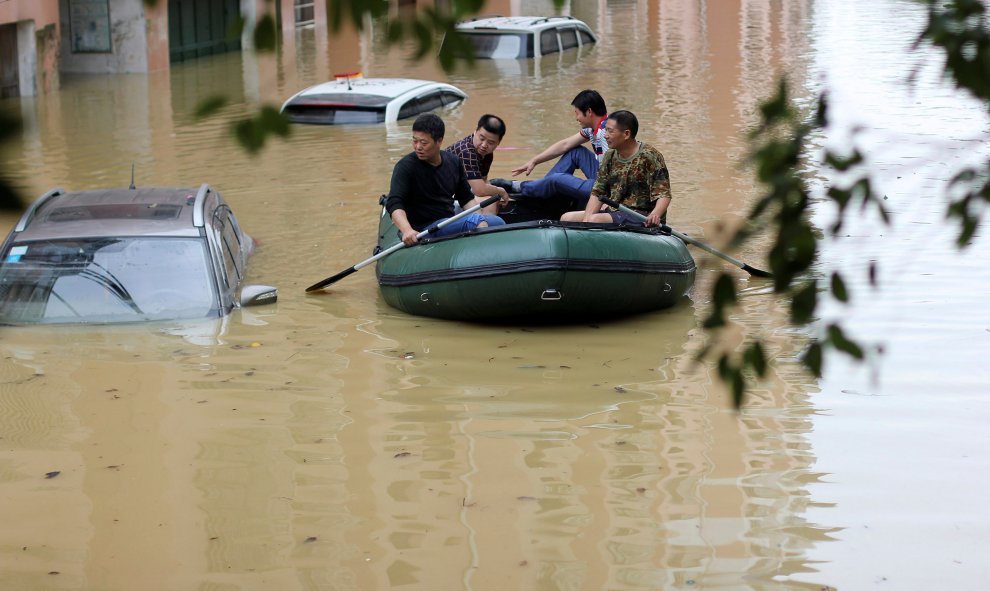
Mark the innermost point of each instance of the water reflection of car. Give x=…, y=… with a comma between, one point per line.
x=520, y=37
x=125, y=255
x=354, y=99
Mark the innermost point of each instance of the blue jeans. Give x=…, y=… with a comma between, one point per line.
x=468, y=223
x=561, y=180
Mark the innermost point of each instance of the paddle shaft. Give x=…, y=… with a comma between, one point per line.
x=687, y=239
x=431, y=230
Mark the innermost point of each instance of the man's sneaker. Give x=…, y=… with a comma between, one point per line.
x=509, y=186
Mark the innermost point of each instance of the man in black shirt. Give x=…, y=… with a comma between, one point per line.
x=425, y=183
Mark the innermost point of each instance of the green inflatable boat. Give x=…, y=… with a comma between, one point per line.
x=542, y=269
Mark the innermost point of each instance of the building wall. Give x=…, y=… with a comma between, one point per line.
x=42, y=12
x=128, y=41
x=37, y=43
x=138, y=37
x=156, y=27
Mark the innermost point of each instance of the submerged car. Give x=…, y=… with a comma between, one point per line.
x=355, y=99
x=520, y=37
x=125, y=255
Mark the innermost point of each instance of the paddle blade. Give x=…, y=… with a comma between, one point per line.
x=756, y=272
x=330, y=280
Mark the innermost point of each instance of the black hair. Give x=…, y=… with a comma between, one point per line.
x=590, y=99
x=430, y=123
x=492, y=124
x=626, y=120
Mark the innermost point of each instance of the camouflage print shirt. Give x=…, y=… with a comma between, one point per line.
x=636, y=182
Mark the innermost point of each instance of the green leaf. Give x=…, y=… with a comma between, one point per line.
x=724, y=291
x=424, y=39
x=10, y=124
x=839, y=288
x=265, y=34
x=271, y=121
x=838, y=339
x=396, y=31
x=843, y=163
x=724, y=367
x=254, y=131
x=9, y=198
x=249, y=136
x=804, y=303
x=812, y=359
x=755, y=357
x=210, y=105
x=738, y=389
x=723, y=296
x=236, y=28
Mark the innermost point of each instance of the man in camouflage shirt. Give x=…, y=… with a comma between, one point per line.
x=632, y=173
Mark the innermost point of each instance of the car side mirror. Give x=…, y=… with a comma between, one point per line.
x=258, y=295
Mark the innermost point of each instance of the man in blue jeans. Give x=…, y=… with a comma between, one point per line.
x=591, y=114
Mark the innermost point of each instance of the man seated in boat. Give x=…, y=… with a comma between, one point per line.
x=591, y=114
x=477, y=152
x=632, y=173
x=425, y=183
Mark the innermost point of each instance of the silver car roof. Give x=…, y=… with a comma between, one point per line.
x=518, y=23
x=114, y=212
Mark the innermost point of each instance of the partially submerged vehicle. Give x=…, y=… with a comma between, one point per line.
x=521, y=37
x=126, y=255
x=353, y=99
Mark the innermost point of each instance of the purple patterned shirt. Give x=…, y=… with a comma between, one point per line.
x=475, y=167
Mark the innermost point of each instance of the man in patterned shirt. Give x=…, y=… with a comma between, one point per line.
x=477, y=151
x=632, y=173
x=590, y=113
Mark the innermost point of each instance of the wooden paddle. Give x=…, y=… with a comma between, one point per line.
x=431, y=230
x=688, y=240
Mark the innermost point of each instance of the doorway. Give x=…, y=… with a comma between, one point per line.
x=197, y=28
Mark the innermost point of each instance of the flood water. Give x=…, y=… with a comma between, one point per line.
x=331, y=442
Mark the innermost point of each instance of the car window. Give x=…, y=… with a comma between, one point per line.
x=334, y=114
x=497, y=45
x=568, y=38
x=430, y=101
x=450, y=98
x=229, y=273
x=410, y=109
x=106, y=280
x=586, y=38
x=232, y=244
x=548, y=42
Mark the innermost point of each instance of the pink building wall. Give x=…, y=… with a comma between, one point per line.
x=41, y=12
x=38, y=43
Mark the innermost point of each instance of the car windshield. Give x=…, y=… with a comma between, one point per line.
x=104, y=280
x=497, y=45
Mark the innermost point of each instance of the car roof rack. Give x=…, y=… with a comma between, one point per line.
x=199, y=217
x=547, y=19
x=480, y=17
x=33, y=209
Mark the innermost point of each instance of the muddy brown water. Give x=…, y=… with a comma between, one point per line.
x=331, y=442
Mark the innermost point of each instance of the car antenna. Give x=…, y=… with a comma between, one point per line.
x=347, y=77
x=132, y=187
